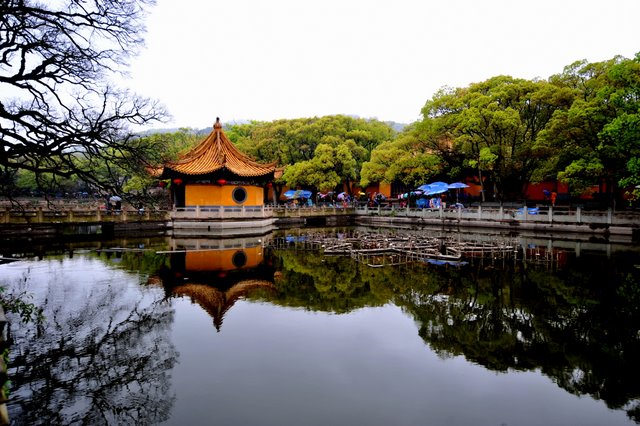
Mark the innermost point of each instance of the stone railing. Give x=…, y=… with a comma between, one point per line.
x=501, y=214
x=311, y=211
x=46, y=216
x=542, y=215
x=221, y=212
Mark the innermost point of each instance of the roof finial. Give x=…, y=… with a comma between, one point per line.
x=217, y=125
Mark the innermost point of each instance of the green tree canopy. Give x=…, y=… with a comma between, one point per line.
x=495, y=125
x=407, y=159
x=596, y=140
x=346, y=143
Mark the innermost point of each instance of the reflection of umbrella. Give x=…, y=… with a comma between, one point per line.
x=289, y=193
x=115, y=198
x=342, y=195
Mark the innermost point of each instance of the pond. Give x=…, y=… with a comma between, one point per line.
x=266, y=331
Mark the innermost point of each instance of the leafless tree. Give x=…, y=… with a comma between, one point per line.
x=60, y=113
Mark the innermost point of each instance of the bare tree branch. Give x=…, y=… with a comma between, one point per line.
x=58, y=112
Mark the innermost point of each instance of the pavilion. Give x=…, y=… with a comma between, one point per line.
x=217, y=188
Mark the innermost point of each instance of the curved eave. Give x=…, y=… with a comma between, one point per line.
x=217, y=152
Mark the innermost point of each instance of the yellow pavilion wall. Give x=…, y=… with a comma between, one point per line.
x=216, y=195
x=217, y=260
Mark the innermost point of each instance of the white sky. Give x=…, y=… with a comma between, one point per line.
x=272, y=59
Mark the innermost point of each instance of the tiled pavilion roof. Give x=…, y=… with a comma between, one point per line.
x=217, y=302
x=217, y=152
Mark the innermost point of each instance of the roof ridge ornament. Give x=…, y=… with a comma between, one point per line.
x=217, y=125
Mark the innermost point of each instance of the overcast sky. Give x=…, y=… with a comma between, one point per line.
x=272, y=59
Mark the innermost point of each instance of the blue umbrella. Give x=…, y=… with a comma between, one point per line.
x=435, y=190
x=458, y=185
x=439, y=184
x=434, y=185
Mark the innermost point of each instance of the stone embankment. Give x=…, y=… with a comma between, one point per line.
x=545, y=219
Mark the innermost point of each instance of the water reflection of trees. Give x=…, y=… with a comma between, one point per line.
x=104, y=358
x=332, y=284
x=578, y=325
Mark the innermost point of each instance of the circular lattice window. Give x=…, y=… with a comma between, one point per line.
x=239, y=259
x=239, y=195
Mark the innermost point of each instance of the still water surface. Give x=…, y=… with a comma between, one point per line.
x=289, y=337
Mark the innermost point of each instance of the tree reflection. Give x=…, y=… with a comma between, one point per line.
x=104, y=358
x=330, y=284
x=578, y=325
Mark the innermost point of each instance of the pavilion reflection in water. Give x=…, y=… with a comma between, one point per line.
x=215, y=273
